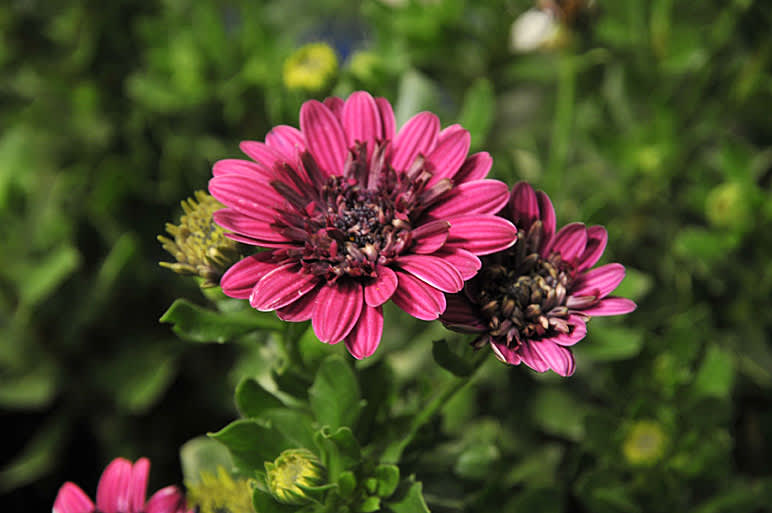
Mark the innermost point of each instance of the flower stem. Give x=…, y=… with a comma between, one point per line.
x=563, y=122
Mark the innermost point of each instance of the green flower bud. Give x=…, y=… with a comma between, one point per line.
x=312, y=67
x=292, y=472
x=645, y=443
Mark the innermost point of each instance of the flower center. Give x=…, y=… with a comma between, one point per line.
x=523, y=295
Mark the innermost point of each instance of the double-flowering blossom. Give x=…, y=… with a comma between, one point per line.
x=352, y=212
x=121, y=489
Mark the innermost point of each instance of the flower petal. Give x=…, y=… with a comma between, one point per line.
x=597, y=237
x=71, y=499
x=417, y=136
x=611, y=306
x=382, y=287
x=475, y=167
x=300, y=310
x=523, y=206
x=166, y=500
x=465, y=261
x=558, y=358
x=242, y=167
x=577, y=334
x=450, y=153
x=337, y=310
x=366, y=335
x=481, y=234
x=429, y=237
x=361, y=120
x=506, y=354
x=280, y=287
x=418, y=299
x=570, y=242
x=547, y=214
x=237, y=222
x=324, y=136
x=461, y=315
x=599, y=282
x=239, y=280
x=112, y=491
x=248, y=195
x=532, y=358
x=387, y=118
x=138, y=484
x=286, y=140
x=432, y=270
x=335, y=104
x=478, y=197
x=262, y=154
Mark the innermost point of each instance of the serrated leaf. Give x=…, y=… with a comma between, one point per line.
x=252, y=399
x=334, y=395
x=196, y=324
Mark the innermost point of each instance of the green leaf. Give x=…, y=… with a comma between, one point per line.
x=294, y=425
x=388, y=479
x=369, y=505
x=202, y=454
x=196, y=324
x=40, y=281
x=411, y=502
x=339, y=450
x=558, y=413
x=609, y=343
x=347, y=482
x=476, y=461
x=251, y=444
x=252, y=399
x=265, y=503
x=334, y=395
x=451, y=360
x=716, y=374
x=477, y=112
x=416, y=93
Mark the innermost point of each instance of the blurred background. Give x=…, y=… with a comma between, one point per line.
x=653, y=118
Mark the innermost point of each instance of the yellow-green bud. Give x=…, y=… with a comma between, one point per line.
x=220, y=493
x=645, y=443
x=311, y=67
x=200, y=246
x=291, y=472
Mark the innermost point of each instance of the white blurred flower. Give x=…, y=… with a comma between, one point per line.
x=533, y=30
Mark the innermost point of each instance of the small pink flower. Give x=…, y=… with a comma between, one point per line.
x=354, y=213
x=121, y=489
x=531, y=302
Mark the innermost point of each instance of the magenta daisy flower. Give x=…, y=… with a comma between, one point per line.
x=354, y=213
x=121, y=489
x=531, y=302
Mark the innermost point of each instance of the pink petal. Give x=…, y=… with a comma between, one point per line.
x=418, y=299
x=549, y=223
x=475, y=167
x=242, y=167
x=523, y=205
x=417, y=136
x=324, y=136
x=429, y=237
x=335, y=105
x=112, y=491
x=461, y=315
x=262, y=154
x=382, y=287
x=337, y=310
x=481, y=234
x=450, y=153
x=366, y=335
x=558, y=358
x=245, y=225
x=300, y=310
x=570, y=242
x=478, y=197
x=432, y=270
x=611, y=306
x=138, y=484
x=249, y=195
x=286, y=140
x=239, y=280
x=361, y=120
x=505, y=354
x=597, y=237
x=599, y=282
x=466, y=262
x=166, y=500
x=530, y=357
x=387, y=118
x=257, y=242
x=280, y=287
x=71, y=499
x=577, y=334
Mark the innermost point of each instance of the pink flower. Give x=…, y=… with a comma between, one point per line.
x=121, y=489
x=354, y=213
x=531, y=302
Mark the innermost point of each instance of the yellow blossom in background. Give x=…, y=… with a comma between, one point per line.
x=311, y=67
x=220, y=494
x=645, y=443
x=199, y=245
x=291, y=472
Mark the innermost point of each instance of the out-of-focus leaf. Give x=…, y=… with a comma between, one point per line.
x=191, y=322
x=537, y=468
x=33, y=387
x=416, y=93
x=36, y=458
x=478, y=110
x=340, y=450
x=454, y=362
x=609, y=343
x=715, y=376
x=411, y=502
x=557, y=413
x=252, y=399
x=477, y=460
x=202, y=454
x=334, y=396
x=38, y=282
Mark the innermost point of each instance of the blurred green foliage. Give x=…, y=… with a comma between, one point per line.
x=653, y=119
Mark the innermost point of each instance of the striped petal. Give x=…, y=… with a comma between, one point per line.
x=461, y=315
x=237, y=222
x=366, y=335
x=71, y=499
x=557, y=358
x=242, y=167
x=324, y=136
x=481, y=234
x=475, y=167
x=429, y=237
x=112, y=491
x=432, y=270
x=337, y=310
x=523, y=206
x=300, y=310
x=166, y=500
x=570, y=242
x=239, y=280
x=450, y=153
x=597, y=237
x=280, y=287
x=417, y=136
x=138, y=484
x=382, y=287
x=387, y=118
x=287, y=141
x=362, y=121
x=599, y=282
x=465, y=261
x=417, y=298
x=611, y=306
x=478, y=197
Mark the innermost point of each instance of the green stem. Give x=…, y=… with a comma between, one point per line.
x=563, y=123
